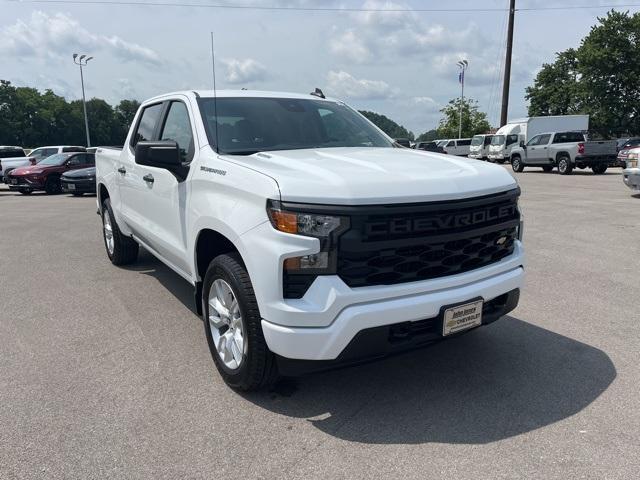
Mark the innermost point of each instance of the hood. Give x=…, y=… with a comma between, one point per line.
x=27, y=170
x=351, y=176
x=81, y=173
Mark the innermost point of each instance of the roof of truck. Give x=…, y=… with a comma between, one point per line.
x=241, y=93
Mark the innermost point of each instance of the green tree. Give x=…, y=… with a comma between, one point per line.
x=473, y=120
x=555, y=90
x=428, y=136
x=600, y=78
x=30, y=118
x=387, y=125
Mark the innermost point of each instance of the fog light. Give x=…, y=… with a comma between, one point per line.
x=314, y=261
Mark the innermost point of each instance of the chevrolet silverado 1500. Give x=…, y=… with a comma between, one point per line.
x=310, y=240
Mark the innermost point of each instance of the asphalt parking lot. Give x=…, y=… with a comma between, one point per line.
x=105, y=371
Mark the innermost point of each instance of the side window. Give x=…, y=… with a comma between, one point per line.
x=451, y=143
x=147, y=124
x=544, y=139
x=75, y=160
x=512, y=139
x=178, y=128
x=534, y=141
x=90, y=158
x=487, y=140
x=464, y=143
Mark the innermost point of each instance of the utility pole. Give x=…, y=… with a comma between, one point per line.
x=82, y=62
x=507, y=65
x=463, y=64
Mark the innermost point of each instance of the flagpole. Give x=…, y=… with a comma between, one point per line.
x=463, y=64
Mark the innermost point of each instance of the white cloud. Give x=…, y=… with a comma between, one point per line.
x=350, y=46
x=345, y=85
x=58, y=35
x=244, y=71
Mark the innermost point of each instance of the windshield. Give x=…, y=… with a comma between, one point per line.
x=497, y=140
x=57, y=159
x=250, y=125
x=477, y=140
x=442, y=143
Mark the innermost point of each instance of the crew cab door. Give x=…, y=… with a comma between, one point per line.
x=537, y=149
x=154, y=198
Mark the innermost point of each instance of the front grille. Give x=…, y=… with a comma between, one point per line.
x=407, y=243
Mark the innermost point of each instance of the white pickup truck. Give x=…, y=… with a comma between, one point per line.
x=310, y=241
x=565, y=150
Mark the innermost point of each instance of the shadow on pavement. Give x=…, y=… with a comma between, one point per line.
x=147, y=264
x=494, y=383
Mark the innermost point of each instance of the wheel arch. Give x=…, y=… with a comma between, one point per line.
x=103, y=194
x=208, y=245
x=562, y=154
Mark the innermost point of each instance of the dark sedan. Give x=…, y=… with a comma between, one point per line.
x=78, y=182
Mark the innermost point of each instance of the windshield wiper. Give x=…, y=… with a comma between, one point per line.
x=241, y=152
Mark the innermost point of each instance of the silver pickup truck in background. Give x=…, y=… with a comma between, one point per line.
x=565, y=150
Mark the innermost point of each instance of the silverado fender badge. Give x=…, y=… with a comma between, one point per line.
x=214, y=170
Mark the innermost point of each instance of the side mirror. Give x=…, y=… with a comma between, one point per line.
x=162, y=154
x=522, y=144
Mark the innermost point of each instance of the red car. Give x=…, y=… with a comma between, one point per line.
x=46, y=174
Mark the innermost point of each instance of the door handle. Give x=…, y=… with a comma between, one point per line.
x=148, y=178
x=122, y=170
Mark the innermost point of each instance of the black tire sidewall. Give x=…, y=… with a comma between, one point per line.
x=52, y=185
x=226, y=267
x=516, y=164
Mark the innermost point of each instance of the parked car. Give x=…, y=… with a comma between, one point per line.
x=405, y=142
x=429, y=147
x=10, y=157
x=519, y=130
x=35, y=156
x=80, y=181
x=624, y=148
x=479, y=148
x=45, y=175
x=631, y=173
x=310, y=240
x=457, y=146
x=565, y=150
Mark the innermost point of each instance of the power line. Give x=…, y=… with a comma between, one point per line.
x=320, y=9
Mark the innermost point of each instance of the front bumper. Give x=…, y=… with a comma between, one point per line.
x=78, y=185
x=378, y=342
x=368, y=307
x=631, y=178
x=25, y=183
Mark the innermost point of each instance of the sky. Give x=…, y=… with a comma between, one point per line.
x=400, y=64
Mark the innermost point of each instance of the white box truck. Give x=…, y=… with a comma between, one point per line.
x=519, y=130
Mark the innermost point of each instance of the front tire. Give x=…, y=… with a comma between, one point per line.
x=25, y=192
x=232, y=324
x=121, y=250
x=516, y=164
x=52, y=185
x=564, y=166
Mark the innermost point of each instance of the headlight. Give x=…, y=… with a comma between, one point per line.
x=632, y=160
x=326, y=228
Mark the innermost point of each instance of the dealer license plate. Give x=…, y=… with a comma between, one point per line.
x=462, y=317
x=71, y=186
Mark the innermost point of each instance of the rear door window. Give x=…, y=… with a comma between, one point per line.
x=147, y=124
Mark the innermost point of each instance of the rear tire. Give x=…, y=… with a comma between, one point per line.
x=77, y=194
x=516, y=164
x=232, y=324
x=599, y=169
x=52, y=185
x=121, y=250
x=547, y=168
x=25, y=192
x=564, y=165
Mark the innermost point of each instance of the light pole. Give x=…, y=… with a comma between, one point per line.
x=462, y=64
x=82, y=62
